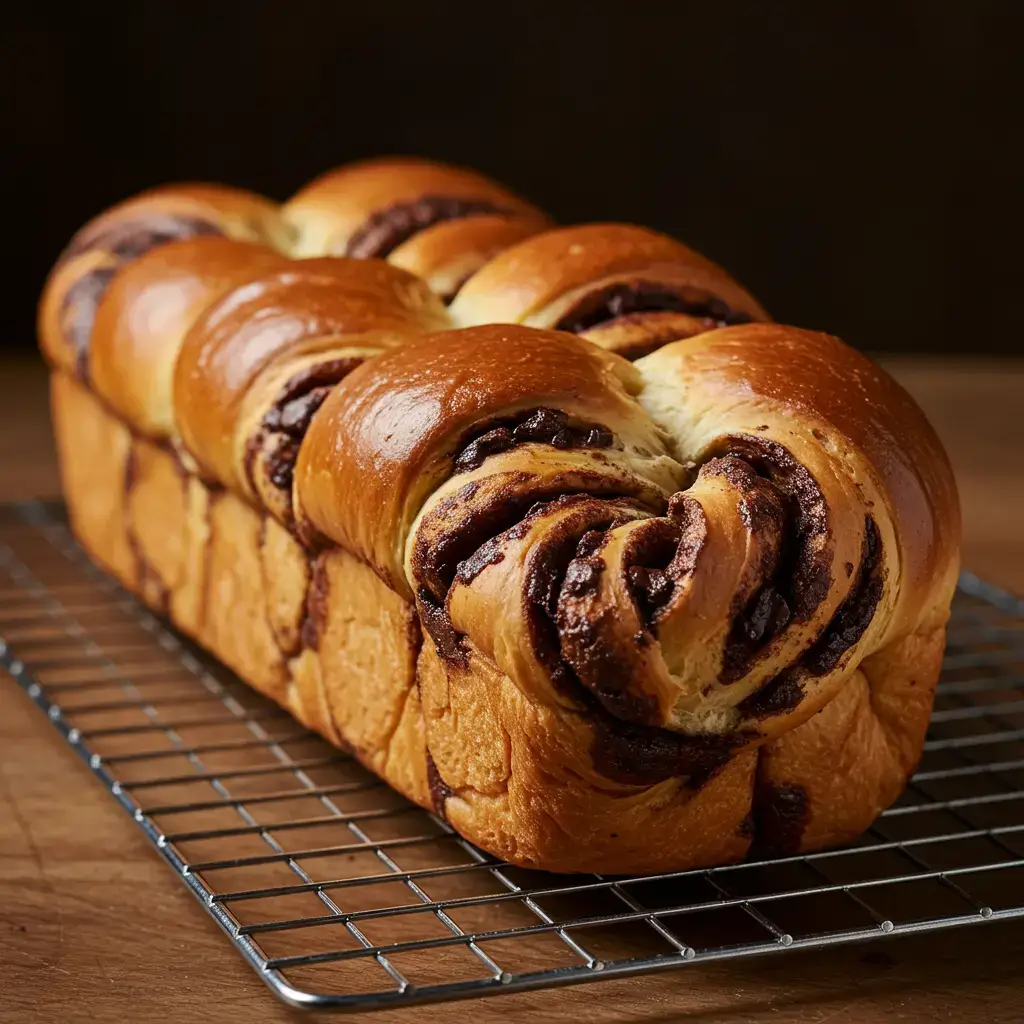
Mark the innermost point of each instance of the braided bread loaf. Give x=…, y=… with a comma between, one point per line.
x=383, y=451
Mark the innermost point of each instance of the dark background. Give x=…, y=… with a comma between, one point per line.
x=855, y=165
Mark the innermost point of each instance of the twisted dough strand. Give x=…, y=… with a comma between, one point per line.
x=668, y=560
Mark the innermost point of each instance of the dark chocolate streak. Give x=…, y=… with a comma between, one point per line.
x=781, y=814
x=387, y=229
x=847, y=626
x=627, y=752
x=784, y=506
x=628, y=297
x=124, y=242
x=315, y=613
x=284, y=425
x=602, y=663
x=551, y=568
x=138, y=235
x=78, y=313
x=439, y=789
x=659, y=555
x=460, y=525
x=437, y=557
x=533, y=426
x=809, y=578
x=854, y=615
x=764, y=611
x=436, y=622
x=656, y=582
x=640, y=755
x=775, y=697
x=651, y=588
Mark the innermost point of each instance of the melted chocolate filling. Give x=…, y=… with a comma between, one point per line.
x=851, y=619
x=660, y=561
x=303, y=394
x=781, y=814
x=315, y=615
x=438, y=559
x=536, y=426
x=775, y=697
x=642, y=755
x=387, y=229
x=651, y=581
x=657, y=557
x=854, y=615
x=124, y=242
x=289, y=419
x=625, y=751
x=458, y=527
x=780, y=499
x=626, y=298
x=762, y=619
x=805, y=577
x=552, y=568
x=437, y=623
x=439, y=789
x=489, y=553
x=78, y=313
x=138, y=235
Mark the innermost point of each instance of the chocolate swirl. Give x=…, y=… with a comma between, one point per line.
x=134, y=237
x=632, y=297
x=608, y=594
x=779, y=588
x=271, y=451
x=534, y=426
x=78, y=313
x=120, y=243
x=389, y=228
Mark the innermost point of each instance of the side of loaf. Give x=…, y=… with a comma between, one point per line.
x=550, y=526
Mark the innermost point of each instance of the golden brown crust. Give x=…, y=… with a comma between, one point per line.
x=601, y=616
x=147, y=310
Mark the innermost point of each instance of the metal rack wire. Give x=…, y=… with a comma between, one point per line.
x=342, y=895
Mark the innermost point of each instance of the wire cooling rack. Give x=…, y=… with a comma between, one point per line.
x=342, y=895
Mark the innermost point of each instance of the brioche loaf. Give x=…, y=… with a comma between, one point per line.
x=550, y=526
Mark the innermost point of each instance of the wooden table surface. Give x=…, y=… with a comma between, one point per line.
x=94, y=927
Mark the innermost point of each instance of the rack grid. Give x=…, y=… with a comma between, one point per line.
x=342, y=895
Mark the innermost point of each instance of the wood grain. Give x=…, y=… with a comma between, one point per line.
x=94, y=926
